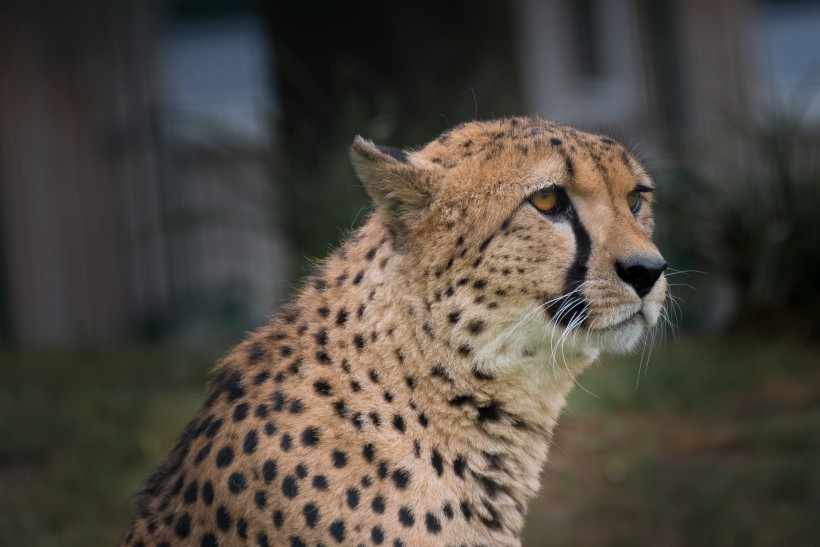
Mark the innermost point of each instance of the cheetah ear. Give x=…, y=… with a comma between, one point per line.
x=399, y=186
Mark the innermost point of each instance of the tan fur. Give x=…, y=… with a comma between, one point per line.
x=421, y=351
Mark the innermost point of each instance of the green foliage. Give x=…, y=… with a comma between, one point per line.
x=744, y=208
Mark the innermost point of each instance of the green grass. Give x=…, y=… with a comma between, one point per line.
x=718, y=445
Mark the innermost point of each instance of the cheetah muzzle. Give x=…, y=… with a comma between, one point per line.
x=407, y=394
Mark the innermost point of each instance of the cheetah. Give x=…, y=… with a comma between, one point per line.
x=408, y=393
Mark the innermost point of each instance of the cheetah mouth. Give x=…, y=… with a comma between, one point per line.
x=619, y=321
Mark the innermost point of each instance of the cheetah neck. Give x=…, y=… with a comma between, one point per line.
x=486, y=415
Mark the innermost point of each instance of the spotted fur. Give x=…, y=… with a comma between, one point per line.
x=407, y=394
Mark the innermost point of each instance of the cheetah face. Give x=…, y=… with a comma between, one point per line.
x=539, y=231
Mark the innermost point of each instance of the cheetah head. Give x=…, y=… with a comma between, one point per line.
x=532, y=235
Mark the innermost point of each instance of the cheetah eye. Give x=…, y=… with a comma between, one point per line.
x=635, y=198
x=549, y=200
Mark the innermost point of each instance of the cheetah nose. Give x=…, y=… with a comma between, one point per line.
x=641, y=272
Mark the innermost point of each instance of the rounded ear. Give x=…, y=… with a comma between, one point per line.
x=399, y=185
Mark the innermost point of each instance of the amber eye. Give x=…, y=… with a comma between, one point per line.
x=634, y=200
x=547, y=200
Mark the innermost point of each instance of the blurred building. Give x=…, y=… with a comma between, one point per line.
x=134, y=170
x=136, y=193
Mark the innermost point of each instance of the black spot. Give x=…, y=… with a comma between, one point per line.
x=475, y=326
x=270, y=429
x=378, y=504
x=461, y=400
x=240, y=412
x=209, y=540
x=191, y=492
x=296, y=542
x=278, y=401
x=406, y=517
x=417, y=448
x=465, y=350
x=324, y=311
x=208, y=493
x=237, y=482
x=203, y=453
x=439, y=372
x=223, y=518
x=341, y=317
x=355, y=386
x=340, y=408
x=489, y=413
x=459, y=465
x=398, y=423
x=301, y=471
x=454, y=316
x=261, y=411
x=310, y=436
x=479, y=284
x=337, y=530
x=289, y=487
x=366, y=482
x=213, y=428
x=352, y=498
x=319, y=284
x=369, y=452
x=339, y=459
x=382, y=469
x=466, y=511
x=448, y=511
x=286, y=442
x=401, y=478
x=490, y=486
x=323, y=358
x=251, y=441
x=423, y=420
x=493, y=523
x=410, y=381
x=269, y=470
x=285, y=351
x=260, y=498
x=357, y=420
x=460, y=240
x=388, y=396
x=183, y=526
x=359, y=341
x=438, y=462
x=296, y=406
x=485, y=243
x=555, y=141
x=480, y=375
x=278, y=518
x=358, y=278
x=320, y=482
x=345, y=365
x=322, y=387
x=432, y=523
x=311, y=513
x=377, y=535
x=374, y=376
x=371, y=254
x=242, y=528
x=321, y=337
x=262, y=539
x=375, y=418
x=224, y=457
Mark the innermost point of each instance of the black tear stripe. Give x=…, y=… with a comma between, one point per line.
x=565, y=310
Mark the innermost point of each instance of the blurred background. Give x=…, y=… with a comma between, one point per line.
x=169, y=169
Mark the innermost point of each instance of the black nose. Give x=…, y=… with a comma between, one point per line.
x=640, y=272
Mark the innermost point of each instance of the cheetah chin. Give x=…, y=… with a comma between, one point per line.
x=408, y=393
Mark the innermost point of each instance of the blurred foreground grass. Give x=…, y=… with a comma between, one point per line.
x=719, y=445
